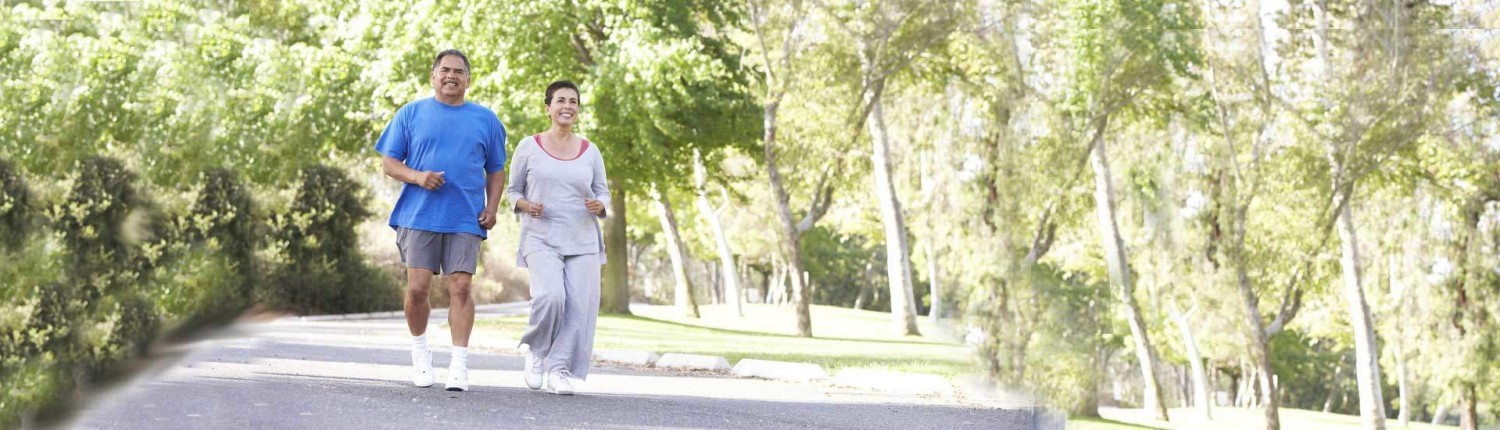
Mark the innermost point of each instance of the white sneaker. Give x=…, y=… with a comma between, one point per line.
x=533, y=370
x=557, y=382
x=458, y=379
x=421, y=363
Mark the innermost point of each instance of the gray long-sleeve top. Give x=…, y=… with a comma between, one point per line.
x=560, y=185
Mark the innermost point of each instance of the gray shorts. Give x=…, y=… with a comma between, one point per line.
x=442, y=253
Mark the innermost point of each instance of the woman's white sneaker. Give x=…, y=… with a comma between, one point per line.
x=557, y=382
x=421, y=363
x=533, y=371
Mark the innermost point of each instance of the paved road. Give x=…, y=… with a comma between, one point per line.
x=334, y=374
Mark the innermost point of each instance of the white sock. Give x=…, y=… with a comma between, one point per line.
x=460, y=358
x=419, y=342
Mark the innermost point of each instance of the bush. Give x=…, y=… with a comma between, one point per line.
x=323, y=270
x=76, y=311
x=92, y=287
x=15, y=208
x=215, y=273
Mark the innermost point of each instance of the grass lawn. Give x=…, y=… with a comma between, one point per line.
x=1235, y=419
x=845, y=337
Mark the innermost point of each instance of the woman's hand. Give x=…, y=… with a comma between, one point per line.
x=594, y=206
x=530, y=208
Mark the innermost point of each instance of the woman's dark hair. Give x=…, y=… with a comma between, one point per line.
x=553, y=87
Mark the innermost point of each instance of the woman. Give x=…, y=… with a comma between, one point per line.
x=557, y=182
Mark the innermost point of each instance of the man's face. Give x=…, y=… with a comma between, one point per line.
x=450, y=78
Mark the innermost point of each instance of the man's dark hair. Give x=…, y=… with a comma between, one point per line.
x=454, y=52
x=553, y=87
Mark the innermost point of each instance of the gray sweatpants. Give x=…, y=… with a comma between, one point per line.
x=564, y=310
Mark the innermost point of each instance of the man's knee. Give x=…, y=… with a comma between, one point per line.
x=416, y=292
x=459, y=287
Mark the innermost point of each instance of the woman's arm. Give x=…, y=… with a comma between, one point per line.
x=515, y=188
x=600, y=183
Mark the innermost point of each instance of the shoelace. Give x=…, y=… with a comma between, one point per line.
x=536, y=364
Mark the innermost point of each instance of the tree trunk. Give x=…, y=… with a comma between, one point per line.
x=683, y=297
x=1405, y=415
x=1469, y=420
x=1333, y=386
x=1441, y=415
x=791, y=246
x=1198, y=375
x=1366, y=355
x=730, y=277
x=727, y=269
x=935, y=313
x=1119, y=274
x=897, y=257
x=615, y=294
x=716, y=279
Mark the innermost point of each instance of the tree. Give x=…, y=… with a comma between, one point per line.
x=1373, y=90
x=772, y=23
x=888, y=37
x=660, y=77
x=711, y=215
x=1120, y=51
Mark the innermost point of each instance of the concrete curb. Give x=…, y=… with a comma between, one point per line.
x=779, y=370
x=710, y=363
x=895, y=382
x=630, y=357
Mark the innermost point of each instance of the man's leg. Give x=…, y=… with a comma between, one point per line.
x=417, y=309
x=419, y=254
x=460, y=308
x=460, y=261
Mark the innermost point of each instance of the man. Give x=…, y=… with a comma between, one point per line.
x=451, y=155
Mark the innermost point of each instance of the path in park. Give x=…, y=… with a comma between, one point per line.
x=341, y=373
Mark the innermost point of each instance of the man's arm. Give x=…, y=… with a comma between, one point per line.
x=398, y=170
x=494, y=186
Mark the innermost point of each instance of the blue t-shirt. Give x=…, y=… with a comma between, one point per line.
x=465, y=142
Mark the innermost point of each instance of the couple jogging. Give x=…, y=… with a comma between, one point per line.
x=450, y=153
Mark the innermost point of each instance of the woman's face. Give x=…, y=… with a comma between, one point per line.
x=563, y=107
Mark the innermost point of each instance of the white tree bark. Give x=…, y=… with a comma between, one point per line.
x=1119, y=274
x=897, y=256
x=1366, y=352
x=933, y=279
x=1198, y=374
x=710, y=214
x=683, y=296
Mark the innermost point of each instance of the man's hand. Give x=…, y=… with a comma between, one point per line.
x=594, y=206
x=487, y=218
x=429, y=180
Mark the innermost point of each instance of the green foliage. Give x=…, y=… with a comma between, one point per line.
x=216, y=269
x=1296, y=356
x=321, y=268
x=842, y=267
x=659, y=80
x=1063, y=364
x=1126, y=49
x=16, y=212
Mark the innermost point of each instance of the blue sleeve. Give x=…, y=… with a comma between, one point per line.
x=494, y=159
x=395, y=140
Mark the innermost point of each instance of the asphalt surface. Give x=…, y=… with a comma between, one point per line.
x=336, y=373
